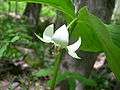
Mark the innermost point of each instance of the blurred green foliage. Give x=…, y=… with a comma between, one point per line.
x=15, y=32
x=10, y=32
x=47, y=11
x=16, y=42
x=4, y=7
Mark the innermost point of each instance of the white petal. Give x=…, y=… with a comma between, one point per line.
x=44, y=40
x=61, y=36
x=48, y=33
x=75, y=46
x=74, y=55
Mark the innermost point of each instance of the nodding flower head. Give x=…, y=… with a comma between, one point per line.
x=60, y=38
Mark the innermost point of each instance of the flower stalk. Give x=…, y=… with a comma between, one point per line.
x=58, y=59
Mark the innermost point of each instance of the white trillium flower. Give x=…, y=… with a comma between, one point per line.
x=60, y=38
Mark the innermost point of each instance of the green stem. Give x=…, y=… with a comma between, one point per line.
x=16, y=7
x=56, y=68
x=74, y=20
x=9, y=6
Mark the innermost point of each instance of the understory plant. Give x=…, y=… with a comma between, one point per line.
x=60, y=39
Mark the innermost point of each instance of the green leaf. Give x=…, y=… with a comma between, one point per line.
x=115, y=33
x=72, y=84
x=3, y=49
x=75, y=76
x=58, y=4
x=15, y=39
x=43, y=73
x=85, y=30
x=96, y=36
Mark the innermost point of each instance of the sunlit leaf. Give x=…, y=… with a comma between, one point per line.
x=115, y=33
x=2, y=50
x=15, y=39
x=42, y=73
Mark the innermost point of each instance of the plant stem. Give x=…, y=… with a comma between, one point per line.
x=73, y=21
x=56, y=68
x=16, y=7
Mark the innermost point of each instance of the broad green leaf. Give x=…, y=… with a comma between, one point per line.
x=96, y=34
x=65, y=6
x=85, y=30
x=115, y=33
